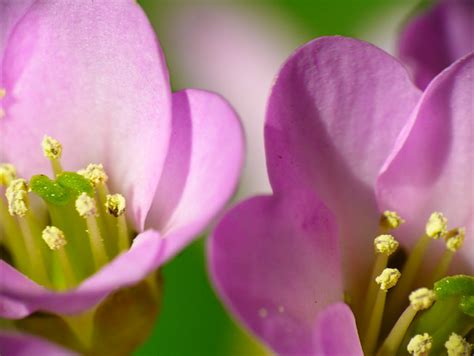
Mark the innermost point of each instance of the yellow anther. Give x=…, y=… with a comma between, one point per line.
x=437, y=226
x=53, y=237
x=115, y=204
x=455, y=239
x=85, y=205
x=3, y=92
x=457, y=346
x=388, y=278
x=17, y=196
x=95, y=173
x=385, y=244
x=420, y=344
x=7, y=173
x=390, y=220
x=422, y=298
x=52, y=149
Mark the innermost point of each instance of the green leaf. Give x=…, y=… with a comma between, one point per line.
x=49, y=190
x=467, y=305
x=76, y=183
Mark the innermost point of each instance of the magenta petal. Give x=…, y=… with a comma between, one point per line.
x=335, y=111
x=93, y=76
x=431, y=167
x=275, y=262
x=145, y=255
x=16, y=344
x=202, y=167
x=336, y=332
x=434, y=40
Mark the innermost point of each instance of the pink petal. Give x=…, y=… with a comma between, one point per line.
x=336, y=332
x=202, y=167
x=431, y=167
x=16, y=344
x=335, y=111
x=434, y=40
x=93, y=76
x=276, y=264
x=145, y=255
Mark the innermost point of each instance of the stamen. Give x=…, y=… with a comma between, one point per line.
x=436, y=227
x=7, y=174
x=384, y=246
x=458, y=346
x=85, y=206
x=115, y=206
x=386, y=280
x=53, y=149
x=18, y=205
x=454, y=241
x=17, y=197
x=95, y=173
x=420, y=299
x=420, y=345
x=56, y=241
x=390, y=220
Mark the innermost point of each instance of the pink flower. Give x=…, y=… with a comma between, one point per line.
x=348, y=136
x=93, y=76
x=436, y=38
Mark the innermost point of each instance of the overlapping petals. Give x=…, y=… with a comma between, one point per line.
x=437, y=38
x=432, y=165
x=270, y=259
x=335, y=111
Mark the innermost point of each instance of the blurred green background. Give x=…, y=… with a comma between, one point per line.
x=193, y=321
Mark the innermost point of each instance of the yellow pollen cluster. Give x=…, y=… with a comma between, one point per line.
x=420, y=344
x=388, y=278
x=52, y=149
x=53, y=237
x=115, y=204
x=17, y=196
x=385, y=244
x=422, y=298
x=95, y=173
x=85, y=205
x=457, y=346
x=391, y=220
x=7, y=174
x=437, y=226
x=455, y=239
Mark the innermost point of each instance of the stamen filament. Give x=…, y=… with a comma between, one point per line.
x=454, y=241
x=38, y=269
x=386, y=280
x=420, y=299
x=115, y=206
x=384, y=246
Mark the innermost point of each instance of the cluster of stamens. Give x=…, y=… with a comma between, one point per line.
x=93, y=212
x=420, y=300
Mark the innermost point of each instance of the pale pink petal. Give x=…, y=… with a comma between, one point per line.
x=202, y=167
x=92, y=75
x=145, y=255
x=437, y=38
x=335, y=111
x=275, y=262
x=336, y=332
x=16, y=344
x=432, y=165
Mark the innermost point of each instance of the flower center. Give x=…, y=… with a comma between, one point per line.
x=431, y=316
x=84, y=228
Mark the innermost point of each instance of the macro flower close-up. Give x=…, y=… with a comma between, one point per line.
x=359, y=160
x=102, y=168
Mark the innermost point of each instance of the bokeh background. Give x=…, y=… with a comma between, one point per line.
x=235, y=48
